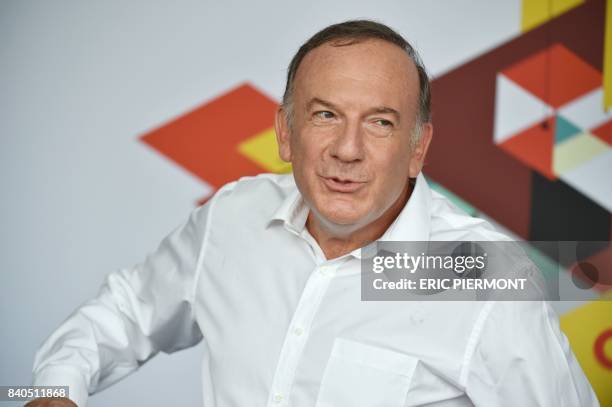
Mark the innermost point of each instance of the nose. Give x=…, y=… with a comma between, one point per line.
x=348, y=144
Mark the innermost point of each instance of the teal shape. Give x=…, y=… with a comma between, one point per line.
x=565, y=129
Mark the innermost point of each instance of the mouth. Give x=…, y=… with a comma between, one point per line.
x=344, y=185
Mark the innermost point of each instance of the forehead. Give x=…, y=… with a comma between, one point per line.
x=367, y=69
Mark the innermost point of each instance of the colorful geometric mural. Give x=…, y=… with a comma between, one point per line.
x=523, y=192
x=549, y=114
x=224, y=139
x=534, y=151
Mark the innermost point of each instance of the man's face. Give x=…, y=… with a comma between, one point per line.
x=354, y=111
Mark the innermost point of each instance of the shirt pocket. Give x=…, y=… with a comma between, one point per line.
x=360, y=375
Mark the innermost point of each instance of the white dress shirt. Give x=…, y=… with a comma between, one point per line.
x=284, y=326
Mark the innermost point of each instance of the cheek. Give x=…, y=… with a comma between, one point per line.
x=307, y=148
x=389, y=152
x=305, y=163
x=391, y=169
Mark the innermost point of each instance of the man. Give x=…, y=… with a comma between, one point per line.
x=267, y=273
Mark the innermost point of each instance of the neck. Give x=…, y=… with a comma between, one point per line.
x=334, y=243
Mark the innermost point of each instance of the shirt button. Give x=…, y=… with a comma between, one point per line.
x=278, y=398
x=298, y=331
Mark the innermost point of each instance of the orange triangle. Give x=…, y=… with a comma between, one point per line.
x=604, y=132
x=204, y=141
x=534, y=147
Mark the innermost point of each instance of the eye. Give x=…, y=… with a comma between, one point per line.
x=324, y=115
x=384, y=122
x=379, y=127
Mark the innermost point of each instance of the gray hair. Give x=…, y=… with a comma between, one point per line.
x=351, y=32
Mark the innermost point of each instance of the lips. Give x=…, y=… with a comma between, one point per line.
x=337, y=184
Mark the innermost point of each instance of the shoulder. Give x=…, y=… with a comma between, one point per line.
x=253, y=186
x=449, y=222
x=525, y=330
x=253, y=197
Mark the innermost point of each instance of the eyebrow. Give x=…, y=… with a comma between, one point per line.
x=385, y=109
x=317, y=101
x=330, y=105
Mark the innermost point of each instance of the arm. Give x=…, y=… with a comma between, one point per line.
x=138, y=312
x=522, y=358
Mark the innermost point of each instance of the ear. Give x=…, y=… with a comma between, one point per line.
x=420, y=150
x=283, y=134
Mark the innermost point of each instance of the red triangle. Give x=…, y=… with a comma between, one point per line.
x=204, y=141
x=556, y=75
x=604, y=132
x=534, y=147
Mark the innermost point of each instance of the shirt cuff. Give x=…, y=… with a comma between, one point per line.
x=64, y=376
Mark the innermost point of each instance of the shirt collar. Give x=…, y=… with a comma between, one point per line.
x=412, y=224
x=293, y=212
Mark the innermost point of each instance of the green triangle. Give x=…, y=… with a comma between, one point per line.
x=564, y=129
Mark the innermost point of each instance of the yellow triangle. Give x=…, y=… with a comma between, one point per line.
x=583, y=326
x=262, y=148
x=536, y=12
x=576, y=151
x=607, y=66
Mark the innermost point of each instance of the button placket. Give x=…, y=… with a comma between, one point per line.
x=297, y=334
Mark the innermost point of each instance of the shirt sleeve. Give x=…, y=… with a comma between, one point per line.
x=138, y=312
x=523, y=359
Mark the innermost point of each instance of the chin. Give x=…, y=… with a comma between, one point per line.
x=341, y=215
x=342, y=220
